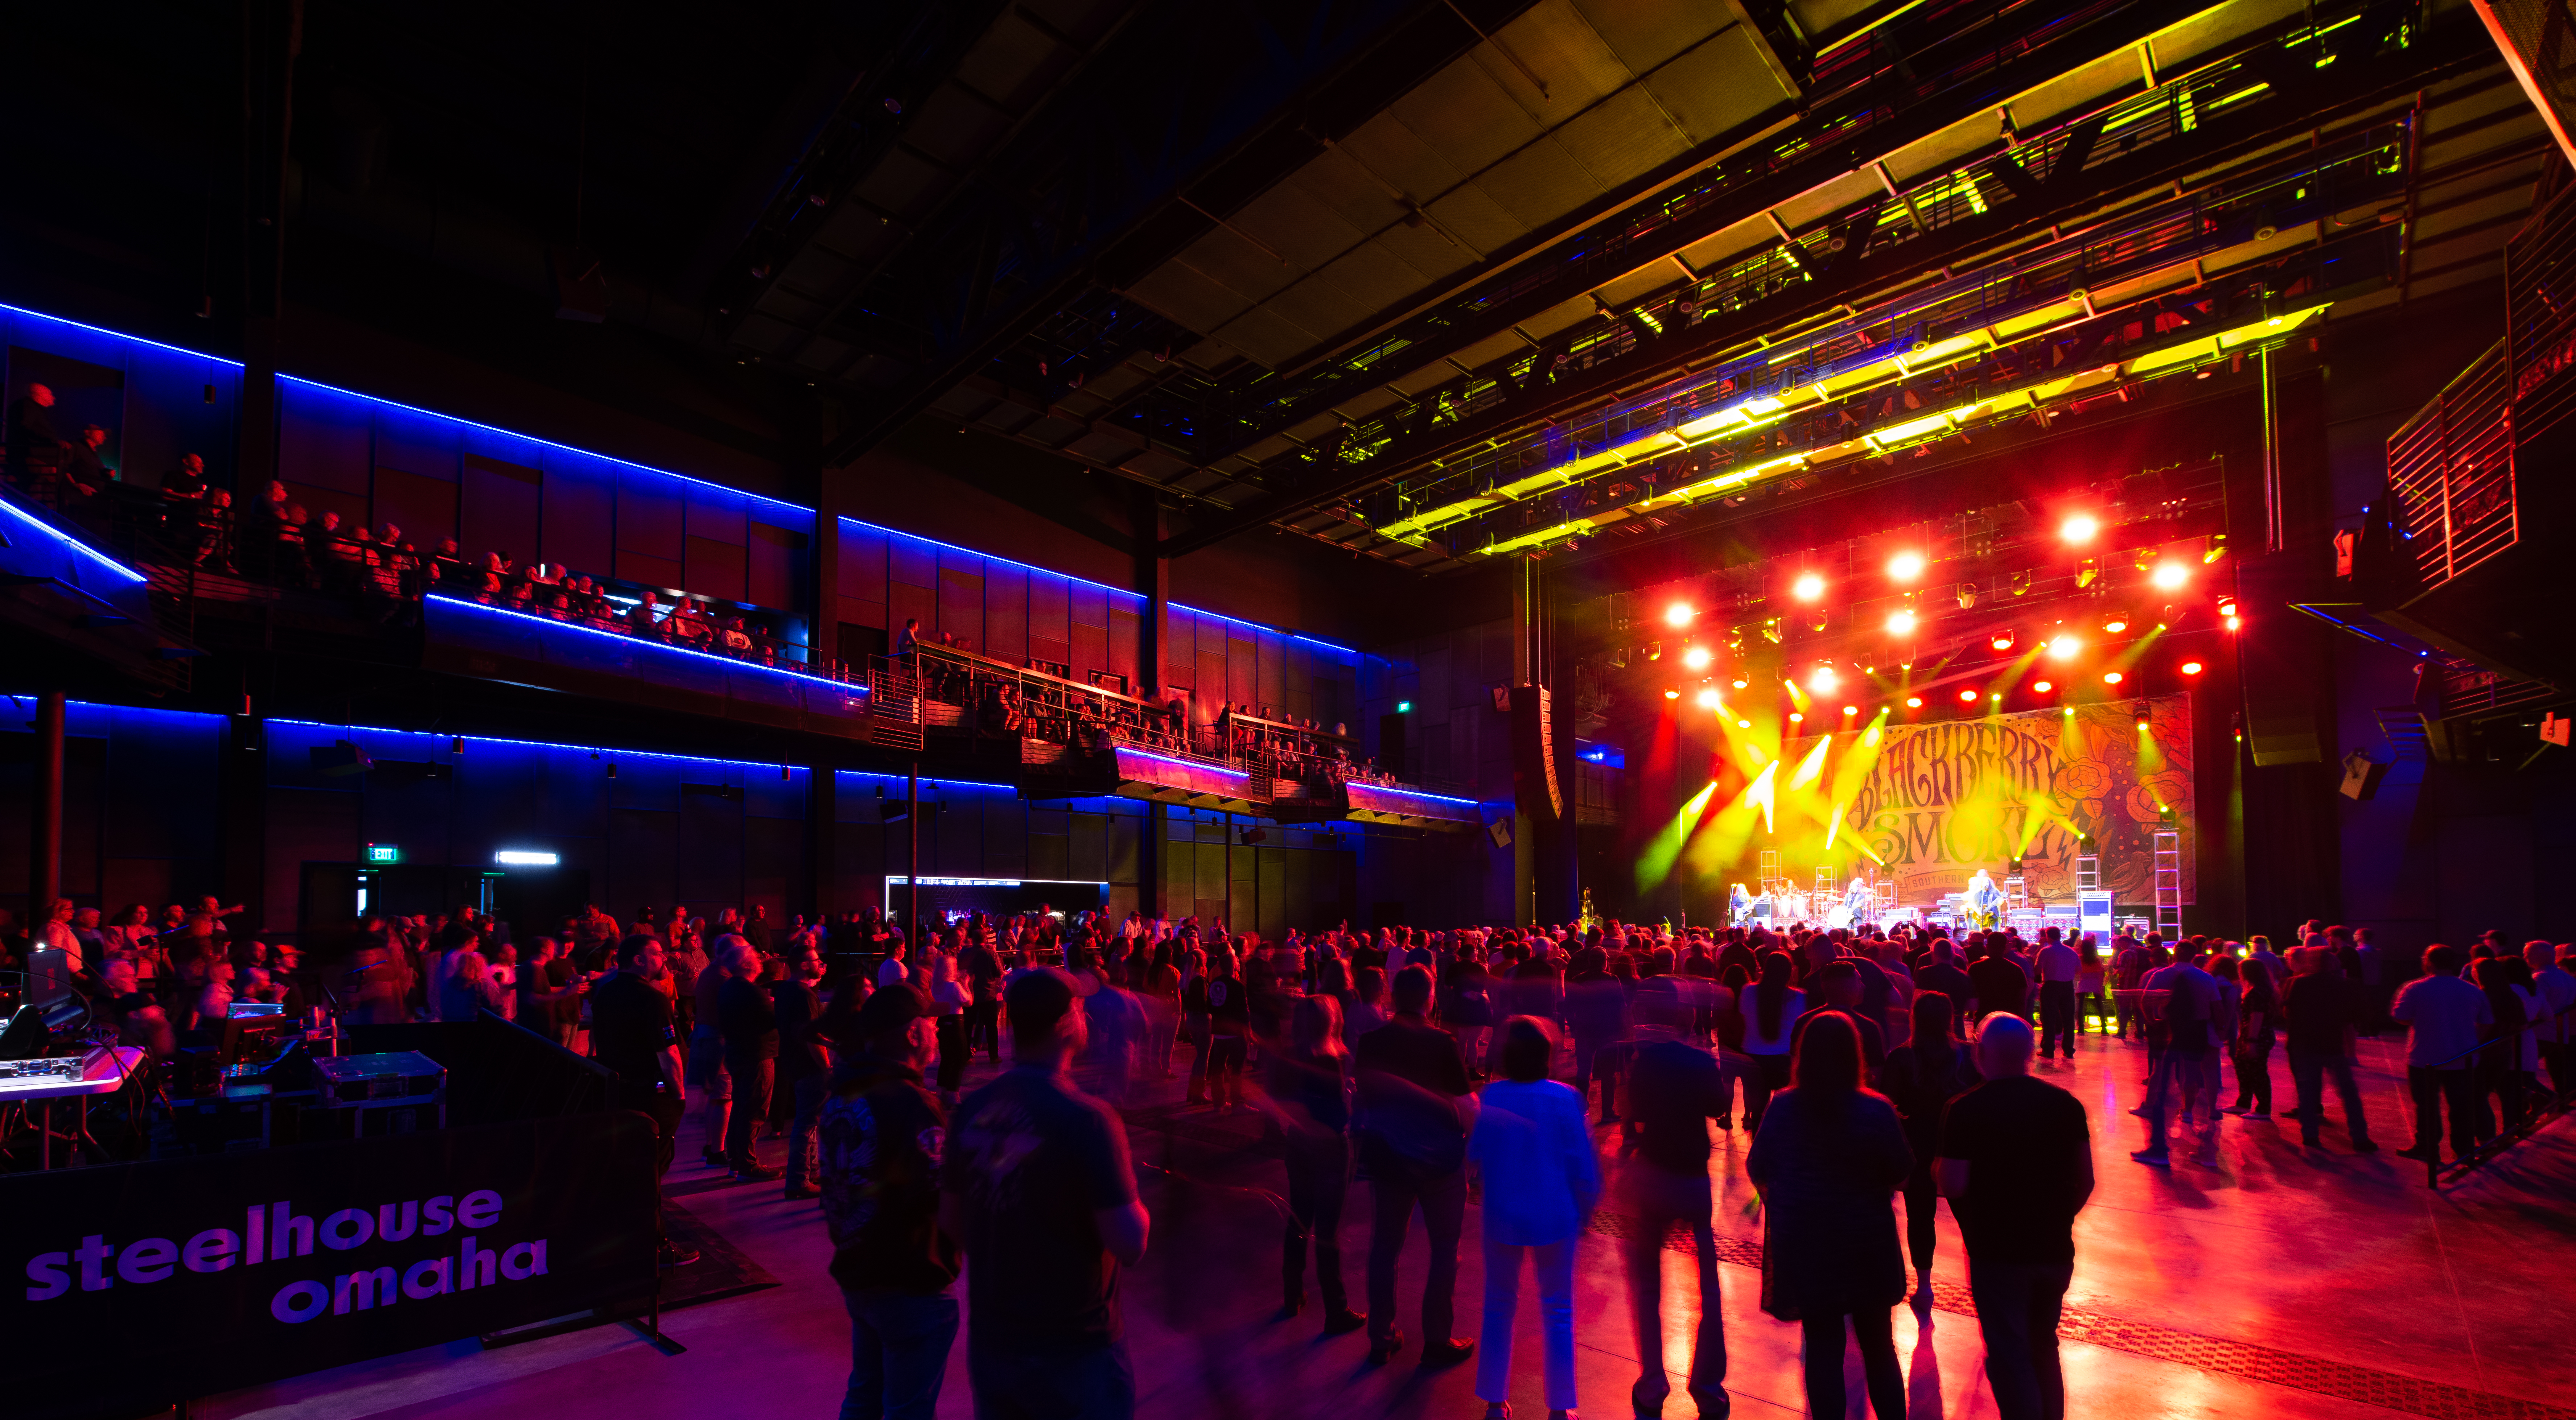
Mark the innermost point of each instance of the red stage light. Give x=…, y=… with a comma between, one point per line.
x=1901, y=622
x=2113, y=678
x=2079, y=528
x=1914, y=702
x=1708, y=700
x=2002, y=640
x=2043, y=687
x=1678, y=615
x=1808, y=587
x=1672, y=695
x=1696, y=658
x=1905, y=566
x=1797, y=719
x=2191, y=668
x=2063, y=646
x=2169, y=575
x=1967, y=695
x=1851, y=709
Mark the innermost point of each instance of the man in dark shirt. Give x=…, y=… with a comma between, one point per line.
x=882, y=1136
x=804, y=1064
x=747, y=1023
x=1036, y=1184
x=1415, y=1109
x=2324, y=1008
x=2016, y=1164
x=1999, y=982
x=1596, y=1013
x=631, y=1034
x=1674, y=1089
x=1939, y=970
x=1837, y=986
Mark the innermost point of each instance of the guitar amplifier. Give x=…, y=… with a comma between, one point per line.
x=346, y=1080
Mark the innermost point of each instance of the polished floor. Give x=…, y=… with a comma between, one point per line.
x=2282, y=1282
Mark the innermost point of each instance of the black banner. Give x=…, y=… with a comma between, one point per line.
x=133, y=1285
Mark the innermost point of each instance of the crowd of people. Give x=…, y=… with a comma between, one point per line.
x=274, y=539
x=1553, y=1073
x=1863, y=1067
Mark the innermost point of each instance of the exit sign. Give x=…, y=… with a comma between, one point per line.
x=384, y=853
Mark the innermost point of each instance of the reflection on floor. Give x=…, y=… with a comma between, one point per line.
x=2282, y=1282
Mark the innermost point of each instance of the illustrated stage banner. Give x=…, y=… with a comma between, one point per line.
x=1944, y=800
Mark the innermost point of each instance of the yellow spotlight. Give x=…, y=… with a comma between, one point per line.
x=2063, y=647
x=1708, y=699
x=1678, y=615
x=2169, y=575
x=1905, y=566
x=1696, y=658
x=1808, y=587
x=2079, y=528
x=1744, y=724
x=1901, y=623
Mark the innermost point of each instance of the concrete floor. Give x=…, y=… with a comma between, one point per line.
x=2283, y=1282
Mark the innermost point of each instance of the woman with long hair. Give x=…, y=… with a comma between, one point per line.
x=1770, y=1023
x=948, y=1002
x=1827, y=1160
x=1308, y=1098
x=1471, y=1007
x=2258, y=1018
x=1541, y=1179
x=1923, y=1076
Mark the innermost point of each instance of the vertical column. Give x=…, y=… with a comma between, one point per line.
x=822, y=840
x=1153, y=581
x=912, y=854
x=45, y=836
x=272, y=36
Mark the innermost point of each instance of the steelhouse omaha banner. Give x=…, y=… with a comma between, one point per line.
x=1944, y=800
x=131, y=1286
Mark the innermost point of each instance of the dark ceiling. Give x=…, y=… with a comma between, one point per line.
x=1321, y=267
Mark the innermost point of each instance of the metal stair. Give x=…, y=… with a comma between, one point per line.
x=894, y=708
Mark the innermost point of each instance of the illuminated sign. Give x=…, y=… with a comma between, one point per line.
x=525, y=858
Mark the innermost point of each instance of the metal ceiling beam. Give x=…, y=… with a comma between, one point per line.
x=2321, y=97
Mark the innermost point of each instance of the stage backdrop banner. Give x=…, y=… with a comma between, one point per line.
x=1944, y=800
x=135, y=1285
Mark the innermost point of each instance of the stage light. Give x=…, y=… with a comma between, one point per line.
x=1742, y=683
x=1654, y=650
x=2064, y=646
x=1998, y=695
x=1808, y=587
x=2227, y=606
x=2191, y=668
x=1404, y=707
x=1851, y=709
x=1824, y=680
x=1914, y=702
x=1901, y=623
x=2169, y=575
x=1797, y=719
x=2043, y=687
x=1967, y=695
x=2116, y=622
x=2233, y=623
x=1678, y=615
x=1696, y=658
x=1672, y=695
x=1744, y=724
x=2145, y=722
x=2079, y=528
x=1708, y=699
x=2001, y=640
x=1905, y=566
x=2111, y=678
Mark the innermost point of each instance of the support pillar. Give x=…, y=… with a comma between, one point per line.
x=822, y=840
x=45, y=836
x=1153, y=582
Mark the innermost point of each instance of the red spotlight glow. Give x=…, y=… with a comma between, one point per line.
x=2002, y=640
x=1967, y=695
x=2079, y=528
x=1808, y=587
x=2169, y=575
x=1678, y=615
x=1905, y=566
x=1696, y=658
x=2043, y=687
x=2111, y=678
x=1851, y=709
x=1672, y=695
x=2064, y=646
x=2191, y=668
x=1797, y=719
x=1708, y=700
x=1900, y=623
x=1914, y=702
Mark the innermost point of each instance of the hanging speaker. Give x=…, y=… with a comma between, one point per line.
x=2361, y=776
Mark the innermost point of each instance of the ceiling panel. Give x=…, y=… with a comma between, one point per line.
x=1289, y=220
x=1478, y=219
x=1464, y=115
x=1374, y=276
x=1539, y=184
x=1235, y=263
x=1399, y=155
x=1186, y=298
x=1012, y=63
x=1427, y=249
x=955, y=128
x=1718, y=86
x=1338, y=181
x=1553, y=38
x=1319, y=308
x=901, y=183
x=1645, y=33
x=1623, y=137
x=1264, y=336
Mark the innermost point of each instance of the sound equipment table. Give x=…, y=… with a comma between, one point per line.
x=103, y=1071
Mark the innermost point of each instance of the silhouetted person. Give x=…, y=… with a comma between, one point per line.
x=1415, y=1110
x=1674, y=1089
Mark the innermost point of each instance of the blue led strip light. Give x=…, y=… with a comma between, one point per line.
x=600, y=750
x=846, y=687
x=75, y=544
x=1185, y=763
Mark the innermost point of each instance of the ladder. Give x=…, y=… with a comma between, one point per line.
x=2168, y=870
x=2088, y=873
x=1825, y=882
